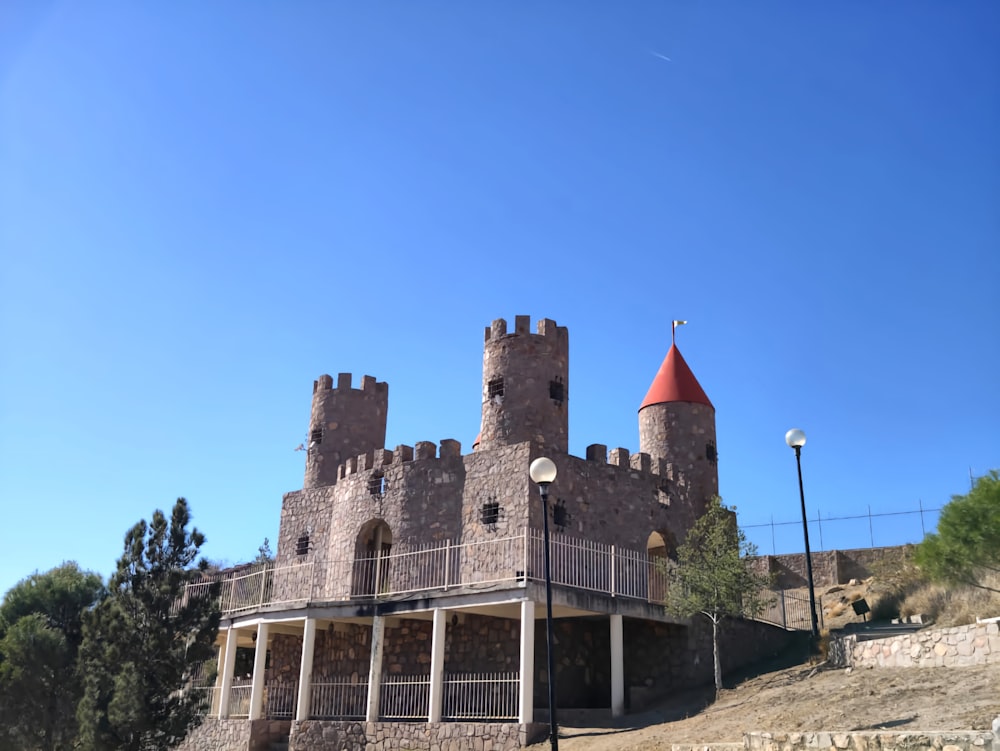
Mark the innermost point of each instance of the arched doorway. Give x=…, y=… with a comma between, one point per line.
x=661, y=546
x=371, y=553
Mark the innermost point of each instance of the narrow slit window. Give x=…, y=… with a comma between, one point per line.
x=711, y=454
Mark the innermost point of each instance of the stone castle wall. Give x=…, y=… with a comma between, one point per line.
x=829, y=566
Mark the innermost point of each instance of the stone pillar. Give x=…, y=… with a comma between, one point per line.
x=617, y=667
x=375, y=669
x=257, y=684
x=226, y=671
x=306, y=670
x=437, y=666
x=526, y=690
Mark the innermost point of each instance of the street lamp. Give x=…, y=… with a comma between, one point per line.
x=796, y=439
x=543, y=473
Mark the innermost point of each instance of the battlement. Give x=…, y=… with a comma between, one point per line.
x=522, y=327
x=620, y=457
x=381, y=458
x=368, y=384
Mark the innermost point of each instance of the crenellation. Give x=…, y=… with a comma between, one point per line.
x=425, y=450
x=522, y=325
x=618, y=457
x=450, y=449
x=497, y=329
x=641, y=461
x=366, y=461
x=383, y=457
x=343, y=381
x=324, y=382
x=403, y=453
x=597, y=452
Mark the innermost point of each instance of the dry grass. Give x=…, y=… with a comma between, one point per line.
x=952, y=606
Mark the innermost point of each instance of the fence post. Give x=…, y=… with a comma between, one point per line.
x=447, y=562
x=612, y=570
x=784, y=615
x=263, y=584
x=524, y=571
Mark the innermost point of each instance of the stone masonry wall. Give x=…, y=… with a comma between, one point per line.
x=882, y=740
x=316, y=735
x=829, y=566
x=683, y=435
x=473, y=644
x=975, y=644
x=235, y=735
x=533, y=402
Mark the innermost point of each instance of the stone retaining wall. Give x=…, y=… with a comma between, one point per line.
x=873, y=741
x=318, y=735
x=975, y=644
x=829, y=566
x=235, y=735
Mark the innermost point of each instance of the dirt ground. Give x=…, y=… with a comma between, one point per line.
x=804, y=698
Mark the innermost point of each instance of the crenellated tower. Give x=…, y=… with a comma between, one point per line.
x=344, y=423
x=525, y=385
x=677, y=425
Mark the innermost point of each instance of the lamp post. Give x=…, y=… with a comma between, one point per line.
x=543, y=473
x=796, y=439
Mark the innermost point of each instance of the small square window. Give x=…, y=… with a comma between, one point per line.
x=302, y=545
x=490, y=514
x=316, y=437
x=560, y=516
x=376, y=485
x=494, y=387
x=557, y=391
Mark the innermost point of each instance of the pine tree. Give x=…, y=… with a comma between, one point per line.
x=144, y=644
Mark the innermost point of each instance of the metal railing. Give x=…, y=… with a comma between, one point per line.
x=338, y=700
x=480, y=696
x=405, y=697
x=239, y=699
x=412, y=569
x=790, y=611
x=280, y=700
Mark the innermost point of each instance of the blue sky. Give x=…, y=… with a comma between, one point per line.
x=205, y=206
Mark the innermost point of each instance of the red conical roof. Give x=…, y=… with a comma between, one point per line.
x=675, y=382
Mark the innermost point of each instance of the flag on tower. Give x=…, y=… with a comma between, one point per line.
x=673, y=328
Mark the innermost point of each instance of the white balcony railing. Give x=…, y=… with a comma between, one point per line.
x=480, y=696
x=411, y=569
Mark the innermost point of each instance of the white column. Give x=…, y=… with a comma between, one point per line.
x=306, y=670
x=437, y=665
x=526, y=691
x=213, y=705
x=375, y=669
x=617, y=667
x=257, y=684
x=226, y=671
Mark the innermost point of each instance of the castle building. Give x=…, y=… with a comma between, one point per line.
x=406, y=604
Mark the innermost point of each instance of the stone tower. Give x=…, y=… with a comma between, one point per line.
x=525, y=385
x=344, y=422
x=677, y=425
